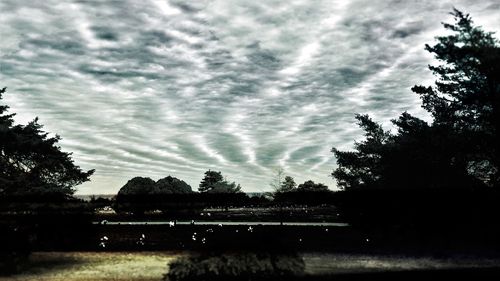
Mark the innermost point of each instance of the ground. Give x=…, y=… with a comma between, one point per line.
x=152, y=265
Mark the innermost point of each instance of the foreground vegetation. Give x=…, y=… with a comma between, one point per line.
x=142, y=266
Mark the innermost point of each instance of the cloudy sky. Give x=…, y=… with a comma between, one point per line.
x=169, y=87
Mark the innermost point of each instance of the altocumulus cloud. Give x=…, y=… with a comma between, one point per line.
x=152, y=88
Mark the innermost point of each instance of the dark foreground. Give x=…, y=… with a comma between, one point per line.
x=318, y=266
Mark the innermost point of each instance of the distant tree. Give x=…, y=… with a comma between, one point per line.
x=460, y=148
x=225, y=187
x=312, y=186
x=288, y=184
x=138, y=185
x=172, y=185
x=277, y=180
x=141, y=194
x=281, y=182
x=31, y=162
x=147, y=186
x=211, y=178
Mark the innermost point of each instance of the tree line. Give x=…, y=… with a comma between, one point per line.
x=141, y=194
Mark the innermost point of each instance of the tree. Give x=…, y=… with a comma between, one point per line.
x=172, y=185
x=225, y=187
x=147, y=186
x=281, y=182
x=277, y=180
x=214, y=182
x=362, y=167
x=210, y=179
x=288, y=184
x=141, y=194
x=31, y=162
x=466, y=96
x=460, y=147
x=312, y=186
x=138, y=186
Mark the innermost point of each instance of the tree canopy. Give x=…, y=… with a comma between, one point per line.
x=312, y=186
x=147, y=186
x=288, y=184
x=460, y=148
x=281, y=182
x=32, y=162
x=214, y=182
x=466, y=96
x=173, y=185
x=208, y=181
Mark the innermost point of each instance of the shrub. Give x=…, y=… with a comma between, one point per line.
x=242, y=266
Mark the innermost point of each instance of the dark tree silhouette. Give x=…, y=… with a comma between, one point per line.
x=172, y=185
x=141, y=194
x=211, y=178
x=460, y=148
x=138, y=185
x=31, y=162
x=362, y=167
x=466, y=97
x=288, y=184
x=166, y=185
x=225, y=187
x=311, y=186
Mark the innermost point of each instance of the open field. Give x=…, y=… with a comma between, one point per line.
x=96, y=266
x=152, y=265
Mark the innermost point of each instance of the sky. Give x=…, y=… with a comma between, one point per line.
x=168, y=87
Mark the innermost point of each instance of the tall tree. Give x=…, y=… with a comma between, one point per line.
x=466, y=96
x=277, y=180
x=32, y=162
x=288, y=184
x=210, y=180
x=461, y=146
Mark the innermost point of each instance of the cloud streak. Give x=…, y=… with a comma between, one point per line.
x=173, y=87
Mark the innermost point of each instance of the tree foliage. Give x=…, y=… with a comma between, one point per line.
x=225, y=187
x=172, y=185
x=214, y=182
x=281, y=182
x=460, y=148
x=147, y=186
x=32, y=162
x=466, y=96
x=310, y=185
x=209, y=180
x=288, y=184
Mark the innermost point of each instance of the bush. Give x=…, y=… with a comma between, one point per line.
x=243, y=266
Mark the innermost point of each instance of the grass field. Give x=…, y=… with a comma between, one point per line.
x=152, y=265
x=96, y=266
